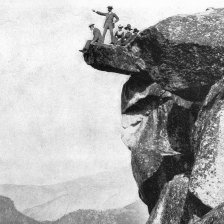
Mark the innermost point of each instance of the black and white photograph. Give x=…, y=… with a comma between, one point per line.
x=111, y=112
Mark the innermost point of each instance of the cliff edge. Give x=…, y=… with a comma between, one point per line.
x=173, y=114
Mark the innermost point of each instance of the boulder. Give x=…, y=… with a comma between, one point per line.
x=194, y=209
x=153, y=118
x=170, y=206
x=183, y=53
x=176, y=69
x=215, y=216
x=207, y=179
x=156, y=128
x=112, y=59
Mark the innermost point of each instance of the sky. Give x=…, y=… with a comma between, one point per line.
x=60, y=118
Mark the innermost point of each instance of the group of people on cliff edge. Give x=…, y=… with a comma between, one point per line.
x=119, y=38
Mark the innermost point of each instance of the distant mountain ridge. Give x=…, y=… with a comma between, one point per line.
x=9, y=214
x=135, y=213
x=103, y=191
x=131, y=214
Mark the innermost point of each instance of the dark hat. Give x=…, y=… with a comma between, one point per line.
x=135, y=30
x=91, y=25
x=120, y=26
x=128, y=27
x=110, y=7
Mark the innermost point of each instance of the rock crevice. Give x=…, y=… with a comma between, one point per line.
x=173, y=114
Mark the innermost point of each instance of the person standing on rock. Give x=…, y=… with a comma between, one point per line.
x=109, y=22
x=97, y=38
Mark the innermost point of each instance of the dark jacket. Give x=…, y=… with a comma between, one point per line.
x=109, y=18
x=134, y=36
x=127, y=38
x=97, y=37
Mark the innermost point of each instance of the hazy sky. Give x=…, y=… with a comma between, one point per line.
x=60, y=118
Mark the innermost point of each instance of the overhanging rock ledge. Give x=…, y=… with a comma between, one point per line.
x=183, y=53
x=172, y=112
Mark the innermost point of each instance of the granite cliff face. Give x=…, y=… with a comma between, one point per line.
x=172, y=114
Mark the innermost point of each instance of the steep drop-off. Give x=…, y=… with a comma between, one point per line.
x=134, y=213
x=172, y=114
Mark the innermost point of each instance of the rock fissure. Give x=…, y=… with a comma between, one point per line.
x=173, y=114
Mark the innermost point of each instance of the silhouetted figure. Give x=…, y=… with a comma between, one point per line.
x=128, y=35
x=109, y=22
x=135, y=33
x=119, y=34
x=97, y=38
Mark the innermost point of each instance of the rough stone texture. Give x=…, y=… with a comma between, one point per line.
x=194, y=209
x=207, y=173
x=170, y=206
x=155, y=119
x=177, y=70
x=156, y=128
x=152, y=178
x=215, y=216
x=184, y=54
x=207, y=179
x=111, y=58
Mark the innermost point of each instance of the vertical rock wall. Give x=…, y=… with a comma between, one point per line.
x=173, y=115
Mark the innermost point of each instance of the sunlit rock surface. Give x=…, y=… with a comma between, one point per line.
x=170, y=206
x=207, y=179
x=172, y=112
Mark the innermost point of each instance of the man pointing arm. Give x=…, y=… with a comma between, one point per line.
x=109, y=22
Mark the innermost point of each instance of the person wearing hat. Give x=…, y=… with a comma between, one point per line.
x=135, y=33
x=97, y=38
x=109, y=22
x=119, y=35
x=128, y=35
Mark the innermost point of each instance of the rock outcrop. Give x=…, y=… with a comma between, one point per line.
x=170, y=206
x=172, y=114
x=184, y=53
x=156, y=127
x=216, y=216
x=207, y=178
